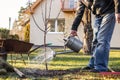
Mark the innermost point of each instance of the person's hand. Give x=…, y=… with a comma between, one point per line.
x=117, y=16
x=73, y=33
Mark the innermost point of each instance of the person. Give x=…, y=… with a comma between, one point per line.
x=106, y=12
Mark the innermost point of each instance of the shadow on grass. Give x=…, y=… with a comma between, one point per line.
x=74, y=58
x=9, y=76
x=114, y=59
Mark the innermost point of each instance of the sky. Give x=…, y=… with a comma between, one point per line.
x=10, y=9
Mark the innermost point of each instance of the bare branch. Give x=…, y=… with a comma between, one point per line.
x=42, y=15
x=34, y=19
x=37, y=24
x=50, y=8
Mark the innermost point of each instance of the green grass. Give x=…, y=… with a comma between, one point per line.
x=63, y=62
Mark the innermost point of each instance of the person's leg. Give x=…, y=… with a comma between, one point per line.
x=101, y=52
x=96, y=29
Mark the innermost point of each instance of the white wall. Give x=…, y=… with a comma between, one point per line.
x=115, y=42
x=37, y=36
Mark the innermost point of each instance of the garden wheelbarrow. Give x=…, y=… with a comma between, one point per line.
x=19, y=47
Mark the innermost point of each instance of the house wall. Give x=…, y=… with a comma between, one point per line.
x=37, y=36
x=115, y=42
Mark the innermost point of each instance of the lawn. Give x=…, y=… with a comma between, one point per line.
x=68, y=66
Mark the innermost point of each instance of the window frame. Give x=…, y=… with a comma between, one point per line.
x=56, y=25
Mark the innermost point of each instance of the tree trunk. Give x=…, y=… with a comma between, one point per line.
x=88, y=31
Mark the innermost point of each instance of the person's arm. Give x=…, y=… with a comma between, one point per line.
x=78, y=17
x=117, y=10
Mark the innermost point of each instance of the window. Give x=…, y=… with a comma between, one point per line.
x=70, y=4
x=51, y=25
x=56, y=25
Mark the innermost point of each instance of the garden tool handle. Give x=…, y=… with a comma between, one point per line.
x=22, y=75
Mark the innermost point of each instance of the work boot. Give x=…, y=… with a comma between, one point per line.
x=87, y=68
x=94, y=71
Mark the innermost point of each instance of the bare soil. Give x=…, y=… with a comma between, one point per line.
x=52, y=73
x=48, y=73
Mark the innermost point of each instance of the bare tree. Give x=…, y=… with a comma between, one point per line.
x=45, y=19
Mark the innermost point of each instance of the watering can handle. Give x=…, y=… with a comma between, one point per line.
x=78, y=37
x=74, y=36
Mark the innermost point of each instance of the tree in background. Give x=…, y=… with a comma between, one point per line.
x=4, y=33
x=27, y=32
x=14, y=37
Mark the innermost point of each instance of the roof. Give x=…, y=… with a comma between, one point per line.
x=33, y=7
